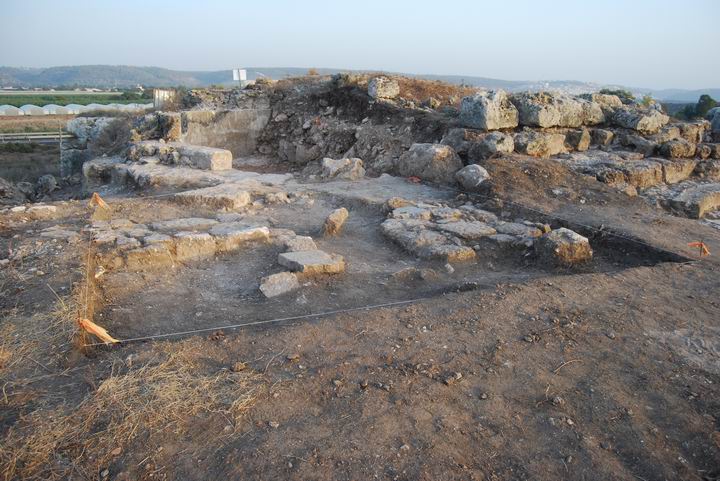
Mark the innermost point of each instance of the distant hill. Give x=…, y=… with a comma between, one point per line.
x=124, y=76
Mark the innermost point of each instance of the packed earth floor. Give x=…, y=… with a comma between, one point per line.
x=278, y=323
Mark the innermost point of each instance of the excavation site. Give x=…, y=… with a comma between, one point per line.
x=365, y=276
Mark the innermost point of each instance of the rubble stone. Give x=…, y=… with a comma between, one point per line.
x=312, y=262
x=433, y=162
x=223, y=196
x=383, y=88
x=648, y=121
x=578, y=140
x=345, y=169
x=298, y=243
x=674, y=171
x=564, y=246
x=230, y=236
x=278, y=284
x=677, y=149
x=539, y=144
x=489, y=111
x=471, y=176
x=695, y=200
x=335, y=221
x=490, y=146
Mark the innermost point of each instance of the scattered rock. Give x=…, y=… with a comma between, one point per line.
x=345, y=169
x=312, y=262
x=383, y=88
x=278, y=284
x=433, y=162
x=335, y=221
x=564, y=246
x=471, y=176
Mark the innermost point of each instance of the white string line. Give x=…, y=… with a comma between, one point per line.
x=266, y=321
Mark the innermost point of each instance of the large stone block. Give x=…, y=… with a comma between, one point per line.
x=545, y=109
x=488, y=111
x=646, y=121
x=433, y=162
x=223, y=196
x=471, y=177
x=312, y=262
x=232, y=236
x=539, y=144
x=383, y=88
x=205, y=158
x=278, y=284
x=564, y=246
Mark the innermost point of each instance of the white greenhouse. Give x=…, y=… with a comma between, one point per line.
x=10, y=110
x=32, y=110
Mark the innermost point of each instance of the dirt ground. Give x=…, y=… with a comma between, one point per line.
x=500, y=370
x=27, y=166
x=30, y=123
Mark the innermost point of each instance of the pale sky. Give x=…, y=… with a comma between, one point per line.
x=637, y=43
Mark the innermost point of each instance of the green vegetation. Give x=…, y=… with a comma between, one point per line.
x=65, y=99
x=698, y=110
x=18, y=147
x=625, y=95
x=647, y=100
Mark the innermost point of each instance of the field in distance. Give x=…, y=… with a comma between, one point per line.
x=65, y=97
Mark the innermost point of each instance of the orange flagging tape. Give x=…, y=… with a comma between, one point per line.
x=98, y=201
x=99, y=332
x=704, y=251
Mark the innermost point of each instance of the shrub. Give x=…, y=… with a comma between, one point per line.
x=625, y=95
x=704, y=104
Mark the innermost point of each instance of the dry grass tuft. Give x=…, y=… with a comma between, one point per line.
x=144, y=403
x=419, y=90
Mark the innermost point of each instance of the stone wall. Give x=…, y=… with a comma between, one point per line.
x=235, y=130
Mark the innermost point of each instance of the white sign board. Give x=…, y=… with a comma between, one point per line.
x=239, y=74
